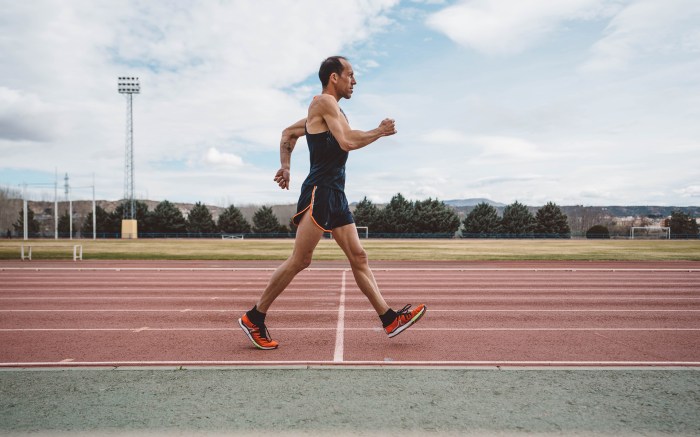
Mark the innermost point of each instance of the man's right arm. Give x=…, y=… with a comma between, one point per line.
x=350, y=139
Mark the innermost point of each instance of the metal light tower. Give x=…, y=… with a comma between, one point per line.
x=129, y=86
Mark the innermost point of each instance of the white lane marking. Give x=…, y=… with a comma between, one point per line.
x=375, y=269
x=145, y=328
x=188, y=310
x=340, y=329
x=368, y=363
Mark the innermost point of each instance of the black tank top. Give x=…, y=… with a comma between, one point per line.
x=327, y=168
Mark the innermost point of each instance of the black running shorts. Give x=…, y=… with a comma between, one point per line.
x=329, y=208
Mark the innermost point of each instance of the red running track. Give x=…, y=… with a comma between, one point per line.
x=105, y=313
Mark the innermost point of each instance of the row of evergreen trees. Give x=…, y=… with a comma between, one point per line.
x=431, y=216
x=401, y=216
x=166, y=219
x=517, y=221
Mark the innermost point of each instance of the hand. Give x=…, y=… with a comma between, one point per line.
x=387, y=127
x=282, y=178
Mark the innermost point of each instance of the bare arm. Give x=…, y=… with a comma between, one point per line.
x=348, y=138
x=289, y=139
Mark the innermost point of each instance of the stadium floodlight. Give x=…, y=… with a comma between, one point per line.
x=129, y=85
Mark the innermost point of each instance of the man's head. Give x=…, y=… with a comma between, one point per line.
x=337, y=72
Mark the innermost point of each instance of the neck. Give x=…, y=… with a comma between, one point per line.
x=331, y=92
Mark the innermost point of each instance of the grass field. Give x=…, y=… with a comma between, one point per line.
x=393, y=250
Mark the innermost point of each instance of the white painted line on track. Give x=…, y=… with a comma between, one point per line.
x=142, y=329
x=375, y=269
x=340, y=329
x=191, y=310
x=378, y=364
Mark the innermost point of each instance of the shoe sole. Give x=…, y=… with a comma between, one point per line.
x=247, y=333
x=409, y=324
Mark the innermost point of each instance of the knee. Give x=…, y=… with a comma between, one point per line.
x=359, y=258
x=300, y=262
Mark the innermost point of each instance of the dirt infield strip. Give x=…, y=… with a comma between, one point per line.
x=368, y=402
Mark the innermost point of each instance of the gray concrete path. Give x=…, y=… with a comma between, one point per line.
x=368, y=402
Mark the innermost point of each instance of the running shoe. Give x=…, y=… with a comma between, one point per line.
x=259, y=335
x=404, y=319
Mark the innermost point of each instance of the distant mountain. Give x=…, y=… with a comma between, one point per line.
x=458, y=203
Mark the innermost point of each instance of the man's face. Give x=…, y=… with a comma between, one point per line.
x=346, y=80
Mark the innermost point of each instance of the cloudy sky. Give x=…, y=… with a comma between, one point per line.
x=593, y=102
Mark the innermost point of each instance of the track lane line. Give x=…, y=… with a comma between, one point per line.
x=376, y=329
x=340, y=329
x=400, y=364
x=340, y=269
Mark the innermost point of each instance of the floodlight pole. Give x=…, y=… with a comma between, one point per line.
x=129, y=86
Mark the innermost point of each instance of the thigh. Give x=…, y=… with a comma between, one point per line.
x=348, y=240
x=308, y=236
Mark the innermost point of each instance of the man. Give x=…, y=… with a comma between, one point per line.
x=322, y=205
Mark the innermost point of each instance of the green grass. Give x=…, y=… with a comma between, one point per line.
x=398, y=250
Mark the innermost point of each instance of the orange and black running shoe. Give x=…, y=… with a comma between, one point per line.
x=259, y=335
x=404, y=319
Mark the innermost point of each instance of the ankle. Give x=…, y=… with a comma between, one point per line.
x=387, y=317
x=256, y=316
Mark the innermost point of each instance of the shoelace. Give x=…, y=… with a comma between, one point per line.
x=403, y=311
x=262, y=332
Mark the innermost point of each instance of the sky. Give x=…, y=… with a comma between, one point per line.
x=578, y=102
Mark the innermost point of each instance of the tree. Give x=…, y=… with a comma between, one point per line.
x=64, y=225
x=431, y=216
x=682, y=225
x=552, y=222
x=141, y=215
x=102, y=222
x=32, y=223
x=200, y=221
x=367, y=214
x=265, y=222
x=231, y=221
x=517, y=220
x=482, y=221
x=167, y=219
x=397, y=216
x=598, y=231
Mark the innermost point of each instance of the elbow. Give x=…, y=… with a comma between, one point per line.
x=288, y=134
x=346, y=146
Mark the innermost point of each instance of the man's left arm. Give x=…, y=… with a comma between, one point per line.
x=289, y=139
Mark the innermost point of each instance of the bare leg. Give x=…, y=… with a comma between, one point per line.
x=308, y=236
x=348, y=240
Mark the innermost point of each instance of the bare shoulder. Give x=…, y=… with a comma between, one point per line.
x=323, y=104
x=321, y=109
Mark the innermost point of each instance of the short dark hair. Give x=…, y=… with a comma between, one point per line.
x=329, y=66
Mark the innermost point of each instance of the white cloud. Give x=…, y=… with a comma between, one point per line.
x=508, y=26
x=509, y=147
x=445, y=136
x=690, y=191
x=647, y=27
x=20, y=115
x=216, y=157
